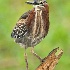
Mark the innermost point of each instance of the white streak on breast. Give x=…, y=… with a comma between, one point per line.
x=36, y=9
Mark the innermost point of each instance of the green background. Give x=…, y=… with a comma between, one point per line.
x=12, y=55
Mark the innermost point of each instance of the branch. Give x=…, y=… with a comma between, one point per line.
x=51, y=60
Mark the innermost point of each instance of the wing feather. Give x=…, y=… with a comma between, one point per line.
x=20, y=30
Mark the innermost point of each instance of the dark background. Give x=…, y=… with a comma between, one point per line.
x=12, y=55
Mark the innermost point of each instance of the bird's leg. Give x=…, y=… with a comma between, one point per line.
x=25, y=55
x=32, y=51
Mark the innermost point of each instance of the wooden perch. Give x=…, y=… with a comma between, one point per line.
x=51, y=60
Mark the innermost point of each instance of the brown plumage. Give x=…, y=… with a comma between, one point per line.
x=32, y=26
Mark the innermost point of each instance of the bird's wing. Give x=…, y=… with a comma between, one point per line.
x=21, y=28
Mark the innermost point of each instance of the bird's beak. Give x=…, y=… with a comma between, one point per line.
x=32, y=3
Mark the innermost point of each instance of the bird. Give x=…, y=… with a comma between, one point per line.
x=32, y=27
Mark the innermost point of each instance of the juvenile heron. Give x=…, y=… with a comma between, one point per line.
x=32, y=27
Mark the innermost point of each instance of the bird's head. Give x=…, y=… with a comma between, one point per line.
x=37, y=2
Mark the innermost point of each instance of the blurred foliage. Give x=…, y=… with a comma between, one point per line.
x=12, y=55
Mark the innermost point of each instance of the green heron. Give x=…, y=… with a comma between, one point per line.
x=32, y=26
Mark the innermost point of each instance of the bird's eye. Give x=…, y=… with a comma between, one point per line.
x=41, y=2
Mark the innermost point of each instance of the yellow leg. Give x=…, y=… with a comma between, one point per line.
x=25, y=55
x=32, y=51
